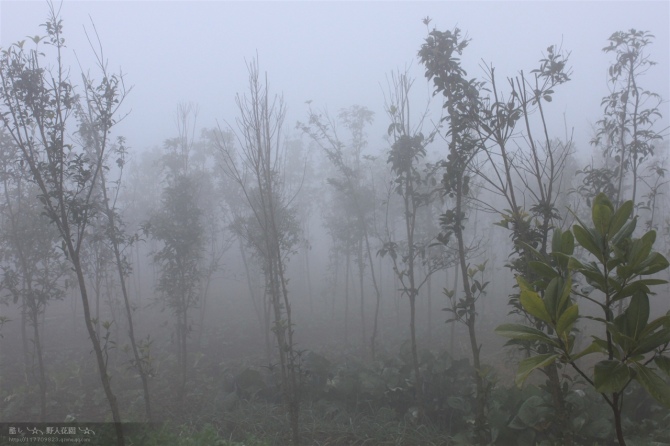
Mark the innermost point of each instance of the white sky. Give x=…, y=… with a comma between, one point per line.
x=336, y=54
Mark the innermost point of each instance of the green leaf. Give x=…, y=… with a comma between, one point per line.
x=587, y=241
x=529, y=364
x=663, y=363
x=534, y=305
x=651, y=342
x=601, y=215
x=610, y=376
x=565, y=295
x=594, y=347
x=568, y=242
x=653, y=384
x=640, y=249
x=630, y=289
x=557, y=241
x=620, y=218
x=656, y=323
x=542, y=269
x=654, y=263
x=637, y=315
x=524, y=333
x=625, y=232
x=566, y=320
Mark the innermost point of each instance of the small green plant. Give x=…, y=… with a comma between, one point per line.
x=634, y=348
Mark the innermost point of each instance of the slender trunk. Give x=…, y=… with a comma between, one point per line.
x=259, y=307
x=95, y=340
x=109, y=209
x=480, y=411
x=203, y=309
x=410, y=216
x=378, y=298
x=182, y=344
x=415, y=355
x=361, y=283
x=346, y=298
x=616, y=408
x=24, y=340
x=308, y=279
x=40, y=364
x=452, y=333
x=429, y=306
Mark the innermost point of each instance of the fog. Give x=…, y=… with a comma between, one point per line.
x=271, y=233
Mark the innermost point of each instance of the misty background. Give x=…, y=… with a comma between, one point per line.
x=334, y=63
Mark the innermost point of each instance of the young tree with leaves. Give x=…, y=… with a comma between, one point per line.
x=97, y=119
x=353, y=193
x=38, y=109
x=633, y=347
x=178, y=226
x=627, y=131
x=33, y=267
x=439, y=54
x=415, y=184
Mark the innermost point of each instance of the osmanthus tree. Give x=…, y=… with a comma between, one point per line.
x=620, y=269
x=439, y=54
x=258, y=171
x=529, y=178
x=177, y=225
x=627, y=132
x=351, y=232
x=38, y=108
x=96, y=114
x=414, y=181
x=32, y=266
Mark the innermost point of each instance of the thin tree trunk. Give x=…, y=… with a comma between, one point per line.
x=346, y=298
x=40, y=362
x=95, y=340
x=361, y=283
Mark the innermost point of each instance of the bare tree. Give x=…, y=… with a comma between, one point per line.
x=258, y=171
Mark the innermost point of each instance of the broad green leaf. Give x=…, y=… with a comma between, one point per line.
x=529, y=364
x=594, y=347
x=562, y=259
x=630, y=289
x=654, y=263
x=653, y=384
x=534, y=305
x=663, y=363
x=587, y=241
x=656, y=323
x=637, y=315
x=651, y=342
x=594, y=278
x=524, y=333
x=542, y=269
x=573, y=263
x=602, y=200
x=557, y=241
x=568, y=242
x=601, y=216
x=652, y=282
x=610, y=376
x=566, y=320
x=565, y=295
x=640, y=249
x=625, y=232
x=620, y=217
